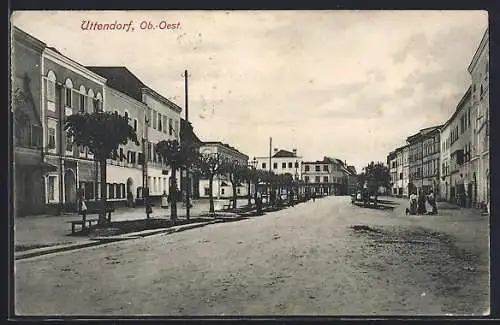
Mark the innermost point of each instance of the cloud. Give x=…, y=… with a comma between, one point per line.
x=346, y=84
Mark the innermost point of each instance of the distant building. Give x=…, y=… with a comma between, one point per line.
x=281, y=162
x=424, y=155
x=325, y=177
x=397, y=162
x=393, y=172
x=352, y=179
x=222, y=187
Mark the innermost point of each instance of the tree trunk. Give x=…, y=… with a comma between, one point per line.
x=173, y=195
x=102, y=215
x=249, y=194
x=210, y=193
x=233, y=185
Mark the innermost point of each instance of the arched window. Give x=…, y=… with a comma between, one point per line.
x=68, y=93
x=51, y=86
x=82, y=101
x=91, y=106
x=98, y=102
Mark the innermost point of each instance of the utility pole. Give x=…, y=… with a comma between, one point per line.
x=145, y=183
x=188, y=178
x=270, y=161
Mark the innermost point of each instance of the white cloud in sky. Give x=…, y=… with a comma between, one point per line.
x=347, y=84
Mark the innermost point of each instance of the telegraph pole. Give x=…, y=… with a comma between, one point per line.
x=188, y=179
x=145, y=183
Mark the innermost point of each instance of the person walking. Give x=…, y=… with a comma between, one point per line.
x=164, y=200
x=432, y=201
x=314, y=196
x=258, y=202
x=421, y=203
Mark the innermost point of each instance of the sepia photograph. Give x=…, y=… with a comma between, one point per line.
x=250, y=163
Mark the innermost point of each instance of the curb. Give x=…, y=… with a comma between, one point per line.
x=106, y=240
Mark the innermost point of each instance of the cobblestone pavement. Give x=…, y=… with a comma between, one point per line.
x=323, y=258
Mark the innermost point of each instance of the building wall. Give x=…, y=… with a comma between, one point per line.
x=415, y=164
x=430, y=162
x=479, y=71
x=292, y=165
x=220, y=190
x=445, y=160
x=29, y=189
x=323, y=182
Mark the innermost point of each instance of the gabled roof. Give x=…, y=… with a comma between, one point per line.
x=284, y=154
x=121, y=79
x=423, y=132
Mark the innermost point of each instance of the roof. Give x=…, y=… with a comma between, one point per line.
x=223, y=145
x=423, y=132
x=284, y=154
x=23, y=36
x=120, y=78
x=460, y=105
x=187, y=132
x=479, y=50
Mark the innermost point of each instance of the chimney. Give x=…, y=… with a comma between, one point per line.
x=275, y=150
x=294, y=152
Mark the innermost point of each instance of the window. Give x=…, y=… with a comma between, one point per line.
x=306, y=168
x=283, y=165
x=222, y=191
x=290, y=165
x=165, y=123
x=170, y=127
x=317, y=179
x=400, y=175
x=51, y=186
x=150, y=150
x=154, y=119
x=159, y=122
x=82, y=103
x=135, y=125
x=51, y=138
x=325, y=179
x=154, y=184
x=275, y=165
x=206, y=191
x=132, y=157
x=140, y=158
x=69, y=143
x=263, y=165
x=238, y=191
x=176, y=129
x=82, y=150
x=306, y=179
x=318, y=168
x=325, y=168
x=296, y=165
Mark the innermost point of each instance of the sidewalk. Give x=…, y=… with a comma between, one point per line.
x=46, y=230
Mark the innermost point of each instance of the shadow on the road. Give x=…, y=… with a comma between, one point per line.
x=373, y=206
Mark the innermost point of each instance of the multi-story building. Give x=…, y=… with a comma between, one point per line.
x=145, y=107
x=406, y=169
x=222, y=187
x=68, y=88
x=281, y=162
x=392, y=164
x=445, y=159
x=480, y=157
x=28, y=167
x=423, y=158
x=325, y=177
x=430, y=161
x=352, y=180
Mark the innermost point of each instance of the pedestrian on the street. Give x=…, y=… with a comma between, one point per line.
x=314, y=196
x=130, y=199
x=292, y=198
x=421, y=203
x=413, y=204
x=258, y=202
x=83, y=208
x=164, y=200
x=432, y=201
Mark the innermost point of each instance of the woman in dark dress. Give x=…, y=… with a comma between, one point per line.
x=421, y=203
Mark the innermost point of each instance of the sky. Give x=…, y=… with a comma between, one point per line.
x=346, y=84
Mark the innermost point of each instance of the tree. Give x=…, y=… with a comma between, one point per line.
x=176, y=155
x=210, y=165
x=102, y=133
x=250, y=175
x=237, y=174
x=376, y=175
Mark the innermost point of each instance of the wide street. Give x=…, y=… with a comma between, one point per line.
x=310, y=259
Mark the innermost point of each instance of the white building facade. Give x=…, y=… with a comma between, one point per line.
x=281, y=162
x=222, y=187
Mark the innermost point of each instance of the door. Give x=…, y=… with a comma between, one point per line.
x=70, y=190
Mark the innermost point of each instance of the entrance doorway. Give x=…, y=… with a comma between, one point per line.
x=70, y=189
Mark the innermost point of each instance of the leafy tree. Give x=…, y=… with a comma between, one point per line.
x=176, y=155
x=236, y=173
x=102, y=133
x=209, y=166
x=375, y=175
x=251, y=175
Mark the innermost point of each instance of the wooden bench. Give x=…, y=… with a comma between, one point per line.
x=80, y=222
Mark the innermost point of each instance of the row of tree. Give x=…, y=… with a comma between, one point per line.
x=103, y=132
